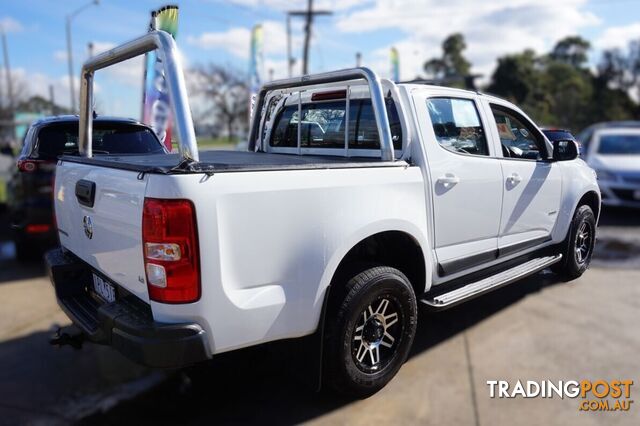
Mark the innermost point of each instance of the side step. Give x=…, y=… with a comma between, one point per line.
x=474, y=289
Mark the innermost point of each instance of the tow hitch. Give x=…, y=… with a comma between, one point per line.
x=69, y=335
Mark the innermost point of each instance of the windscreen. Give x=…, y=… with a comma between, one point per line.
x=108, y=138
x=619, y=144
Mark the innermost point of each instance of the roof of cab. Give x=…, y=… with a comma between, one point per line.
x=452, y=90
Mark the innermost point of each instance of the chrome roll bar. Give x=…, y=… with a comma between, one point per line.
x=168, y=54
x=375, y=89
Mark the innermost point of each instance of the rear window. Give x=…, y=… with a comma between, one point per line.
x=108, y=138
x=619, y=144
x=323, y=125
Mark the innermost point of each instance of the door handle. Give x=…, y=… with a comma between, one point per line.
x=514, y=179
x=448, y=180
x=86, y=192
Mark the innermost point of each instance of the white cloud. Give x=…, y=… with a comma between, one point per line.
x=279, y=68
x=102, y=46
x=234, y=40
x=491, y=29
x=129, y=72
x=285, y=5
x=237, y=40
x=618, y=37
x=38, y=83
x=10, y=25
x=60, y=55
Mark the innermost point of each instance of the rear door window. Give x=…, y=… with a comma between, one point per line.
x=456, y=124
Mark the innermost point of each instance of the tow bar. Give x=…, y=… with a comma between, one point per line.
x=69, y=335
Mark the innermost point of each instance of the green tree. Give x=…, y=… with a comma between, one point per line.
x=572, y=50
x=435, y=67
x=452, y=68
x=41, y=105
x=569, y=93
x=515, y=77
x=455, y=62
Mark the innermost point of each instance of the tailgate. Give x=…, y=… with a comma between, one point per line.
x=99, y=216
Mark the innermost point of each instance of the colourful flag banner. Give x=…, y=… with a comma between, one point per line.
x=256, y=64
x=156, y=109
x=395, y=65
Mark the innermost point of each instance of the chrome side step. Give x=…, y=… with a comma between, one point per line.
x=474, y=289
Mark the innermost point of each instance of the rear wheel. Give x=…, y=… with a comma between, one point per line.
x=577, y=248
x=370, y=331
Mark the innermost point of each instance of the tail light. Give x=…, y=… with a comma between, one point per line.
x=170, y=249
x=28, y=166
x=37, y=228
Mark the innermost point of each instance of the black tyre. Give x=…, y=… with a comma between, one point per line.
x=369, y=331
x=577, y=248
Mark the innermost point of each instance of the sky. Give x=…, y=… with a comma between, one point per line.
x=216, y=31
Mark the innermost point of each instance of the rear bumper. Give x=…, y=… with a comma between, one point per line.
x=126, y=324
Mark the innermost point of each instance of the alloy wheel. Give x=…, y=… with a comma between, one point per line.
x=377, y=334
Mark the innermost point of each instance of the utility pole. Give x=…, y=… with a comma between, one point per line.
x=69, y=18
x=7, y=67
x=52, y=100
x=308, y=14
x=7, y=71
x=307, y=35
x=290, y=60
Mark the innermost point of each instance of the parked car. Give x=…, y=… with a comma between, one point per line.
x=30, y=208
x=173, y=259
x=555, y=134
x=613, y=150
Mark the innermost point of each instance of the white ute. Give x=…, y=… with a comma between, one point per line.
x=357, y=199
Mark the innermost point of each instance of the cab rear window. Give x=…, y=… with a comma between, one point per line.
x=108, y=138
x=323, y=125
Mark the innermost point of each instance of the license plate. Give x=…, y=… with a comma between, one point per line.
x=636, y=195
x=104, y=289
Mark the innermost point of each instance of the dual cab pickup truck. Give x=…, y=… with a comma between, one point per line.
x=357, y=200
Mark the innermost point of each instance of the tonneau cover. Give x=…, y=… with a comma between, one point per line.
x=228, y=161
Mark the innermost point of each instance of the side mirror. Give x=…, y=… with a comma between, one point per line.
x=565, y=150
x=6, y=150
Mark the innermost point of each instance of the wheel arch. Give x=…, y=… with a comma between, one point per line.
x=591, y=199
x=392, y=247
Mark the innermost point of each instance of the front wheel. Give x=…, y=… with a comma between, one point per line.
x=370, y=331
x=577, y=248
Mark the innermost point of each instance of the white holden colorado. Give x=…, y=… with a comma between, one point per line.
x=357, y=200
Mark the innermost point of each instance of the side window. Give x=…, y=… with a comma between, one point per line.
x=363, y=130
x=457, y=125
x=285, y=133
x=517, y=137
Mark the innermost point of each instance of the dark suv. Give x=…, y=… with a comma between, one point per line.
x=30, y=186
